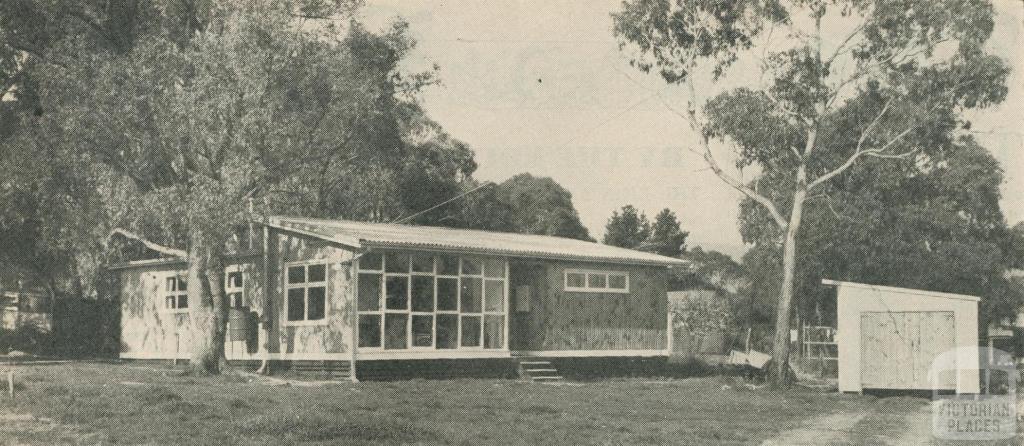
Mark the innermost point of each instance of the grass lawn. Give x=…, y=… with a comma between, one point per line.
x=144, y=404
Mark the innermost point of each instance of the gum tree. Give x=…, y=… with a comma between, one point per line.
x=838, y=82
x=266, y=106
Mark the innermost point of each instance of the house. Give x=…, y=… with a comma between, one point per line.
x=351, y=293
x=906, y=339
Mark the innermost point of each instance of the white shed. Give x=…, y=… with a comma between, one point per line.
x=888, y=338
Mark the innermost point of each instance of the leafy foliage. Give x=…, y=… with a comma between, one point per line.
x=525, y=204
x=701, y=315
x=627, y=229
x=667, y=237
x=893, y=88
x=631, y=229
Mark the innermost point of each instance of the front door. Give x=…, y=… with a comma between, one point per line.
x=525, y=283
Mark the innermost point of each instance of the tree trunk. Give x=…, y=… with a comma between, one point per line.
x=215, y=279
x=780, y=352
x=205, y=353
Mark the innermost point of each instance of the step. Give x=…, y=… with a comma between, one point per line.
x=540, y=370
x=547, y=378
x=535, y=362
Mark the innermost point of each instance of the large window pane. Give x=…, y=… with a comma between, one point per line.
x=182, y=283
x=447, y=294
x=447, y=266
x=182, y=301
x=396, y=262
x=494, y=295
x=596, y=280
x=494, y=331
x=234, y=280
x=422, y=293
x=494, y=268
x=617, y=281
x=371, y=261
x=317, y=303
x=297, y=274
x=422, y=330
x=423, y=263
x=472, y=267
x=317, y=273
x=575, y=280
x=397, y=292
x=369, y=330
x=470, y=331
x=447, y=331
x=472, y=290
x=171, y=284
x=396, y=331
x=296, y=304
x=235, y=300
x=369, y=292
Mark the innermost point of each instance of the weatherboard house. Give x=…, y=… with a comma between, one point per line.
x=349, y=294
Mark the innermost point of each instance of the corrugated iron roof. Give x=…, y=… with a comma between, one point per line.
x=401, y=236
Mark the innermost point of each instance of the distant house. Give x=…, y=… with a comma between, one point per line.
x=355, y=293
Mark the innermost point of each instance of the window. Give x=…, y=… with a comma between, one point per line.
x=424, y=301
x=176, y=293
x=596, y=281
x=234, y=287
x=306, y=297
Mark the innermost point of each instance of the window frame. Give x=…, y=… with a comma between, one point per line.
x=436, y=274
x=229, y=290
x=586, y=288
x=306, y=285
x=179, y=277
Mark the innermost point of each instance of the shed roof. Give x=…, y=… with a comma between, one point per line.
x=892, y=289
x=430, y=238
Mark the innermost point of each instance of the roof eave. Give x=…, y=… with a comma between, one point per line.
x=519, y=254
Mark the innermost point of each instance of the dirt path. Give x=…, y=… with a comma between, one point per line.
x=823, y=430
x=895, y=422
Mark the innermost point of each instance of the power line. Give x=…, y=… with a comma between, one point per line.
x=403, y=219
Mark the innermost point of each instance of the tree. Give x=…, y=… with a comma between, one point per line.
x=667, y=238
x=260, y=109
x=524, y=204
x=898, y=76
x=934, y=226
x=628, y=229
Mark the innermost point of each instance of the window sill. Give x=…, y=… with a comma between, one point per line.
x=185, y=311
x=595, y=290
x=304, y=323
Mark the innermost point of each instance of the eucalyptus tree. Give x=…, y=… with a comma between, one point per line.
x=836, y=82
x=266, y=106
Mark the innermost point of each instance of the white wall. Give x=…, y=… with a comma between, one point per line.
x=855, y=299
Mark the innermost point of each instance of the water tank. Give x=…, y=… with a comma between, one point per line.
x=239, y=324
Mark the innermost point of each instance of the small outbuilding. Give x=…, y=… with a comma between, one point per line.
x=889, y=338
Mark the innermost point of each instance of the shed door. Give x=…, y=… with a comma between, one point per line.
x=897, y=348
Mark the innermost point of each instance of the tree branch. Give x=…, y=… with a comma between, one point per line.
x=878, y=153
x=174, y=252
x=709, y=159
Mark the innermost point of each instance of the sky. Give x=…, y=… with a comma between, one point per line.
x=540, y=86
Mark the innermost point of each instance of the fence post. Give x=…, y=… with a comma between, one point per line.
x=10, y=382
